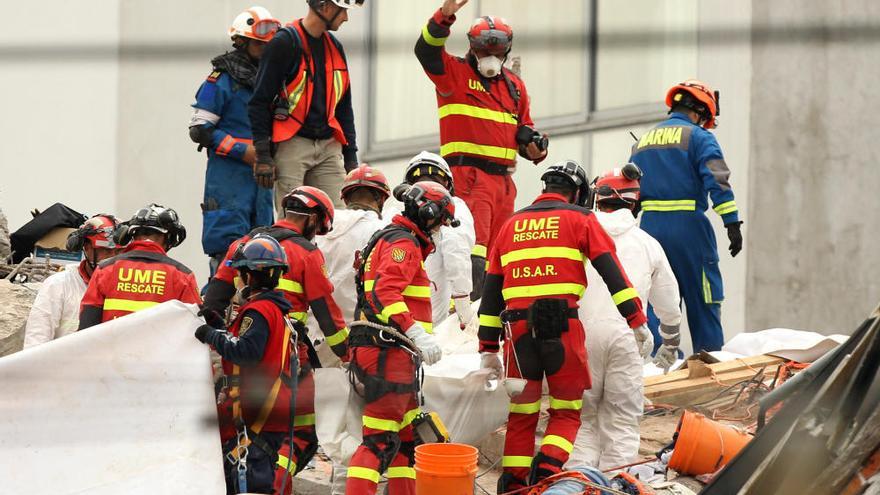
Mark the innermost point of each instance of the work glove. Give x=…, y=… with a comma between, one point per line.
x=492, y=361
x=463, y=310
x=264, y=174
x=644, y=340
x=203, y=333
x=212, y=317
x=431, y=351
x=668, y=352
x=734, y=233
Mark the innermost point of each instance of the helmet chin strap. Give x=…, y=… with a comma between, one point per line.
x=328, y=23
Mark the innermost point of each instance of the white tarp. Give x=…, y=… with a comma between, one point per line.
x=124, y=407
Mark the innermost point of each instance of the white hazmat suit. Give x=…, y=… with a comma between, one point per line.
x=55, y=312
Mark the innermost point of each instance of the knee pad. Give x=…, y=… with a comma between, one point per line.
x=384, y=454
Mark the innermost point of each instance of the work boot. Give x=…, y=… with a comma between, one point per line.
x=508, y=482
x=543, y=466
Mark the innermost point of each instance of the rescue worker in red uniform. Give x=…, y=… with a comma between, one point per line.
x=143, y=275
x=535, y=279
x=484, y=121
x=256, y=356
x=308, y=212
x=394, y=291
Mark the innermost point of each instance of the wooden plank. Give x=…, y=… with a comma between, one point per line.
x=694, y=384
x=756, y=362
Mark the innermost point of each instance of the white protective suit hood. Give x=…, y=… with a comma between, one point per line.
x=344, y=222
x=617, y=222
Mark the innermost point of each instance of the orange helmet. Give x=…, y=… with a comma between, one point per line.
x=492, y=34
x=314, y=199
x=366, y=176
x=702, y=99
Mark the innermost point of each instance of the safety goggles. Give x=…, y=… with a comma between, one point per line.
x=265, y=29
x=493, y=41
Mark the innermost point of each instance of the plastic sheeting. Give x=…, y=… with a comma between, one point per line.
x=123, y=407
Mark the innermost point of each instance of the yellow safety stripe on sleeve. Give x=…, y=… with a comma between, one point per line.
x=541, y=253
x=478, y=149
x=422, y=291
x=363, y=473
x=543, y=290
x=529, y=408
x=431, y=40
x=490, y=321
x=560, y=404
x=338, y=337
x=516, y=461
x=725, y=208
x=300, y=316
x=127, y=305
x=558, y=441
x=428, y=326
x=625, y=295
x=476, y=112
x=479, y=250
x=400, y=472
x=304, y=420
x=391, y=310
x=285, y=463
x=669, y=205
x=290, y=286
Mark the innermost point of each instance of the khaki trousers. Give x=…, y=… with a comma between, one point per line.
x=309, y=162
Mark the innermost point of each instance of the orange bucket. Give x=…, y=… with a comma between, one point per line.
x=704, y=446
x=446, y=469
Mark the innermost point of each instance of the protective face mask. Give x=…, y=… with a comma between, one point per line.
x=489, y=66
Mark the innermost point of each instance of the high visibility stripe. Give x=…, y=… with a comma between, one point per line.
x=558, y=441
x=540, y=253
x=409, y=417
x=559, y=404
x=707, y=291
x=290, y=286
x=624, y=295
x=300, y=316
x=225, y=145
x=400, y=472
x=428, y=326
x=727, y=207
x=338, y=337
x=478, y=149
x=476, y=112
x=529, y=408
x=490, y=321
x=431, y=40
x=127, y=305
x=363, y=473
x=479, y=250
x=381, y=424
x=669, y=205
x=337, y=85
x=543, y=290
x=304, y=420
x=295, y=95
x=423, y=291
x=393, y=309
x=516, y=461
x=285, y=463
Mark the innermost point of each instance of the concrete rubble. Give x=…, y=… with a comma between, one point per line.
x=15, y=305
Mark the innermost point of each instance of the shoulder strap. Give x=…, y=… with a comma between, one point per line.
x=511, y=87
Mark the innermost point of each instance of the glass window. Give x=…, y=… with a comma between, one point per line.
x=643, y=48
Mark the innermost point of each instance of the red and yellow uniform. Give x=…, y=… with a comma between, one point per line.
x=141, y=277
x=539, y=254
x=396, y=292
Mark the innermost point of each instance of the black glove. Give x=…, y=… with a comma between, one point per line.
x=212, y=317
x=478, y=274
x=202, y=333
x=734, y=233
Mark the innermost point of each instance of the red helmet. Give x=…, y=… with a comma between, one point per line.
x=97, y=231
x=426, y=203
x=492, y=34
x=312, y=198
x=621, y=183
x=699, y=91
x=366, y=176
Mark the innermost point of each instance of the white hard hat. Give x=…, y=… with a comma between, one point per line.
x=256, y=23
x=345, y=4
x=427, y=163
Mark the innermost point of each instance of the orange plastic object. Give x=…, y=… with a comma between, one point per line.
x=704, y=446
x=446, y=469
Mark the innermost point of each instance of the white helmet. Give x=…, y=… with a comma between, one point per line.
x=427, y=163
x=345, y=4
x=255, y=23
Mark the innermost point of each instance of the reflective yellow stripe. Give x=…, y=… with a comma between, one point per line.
x=516, y=461
x=479, y=251
x=558, y=441
x=338, y=337
x=476, y=112
x=290, y=286
x=669, y=205
x=400, y=472
x=428, y=326
x=127, y=305
x=490, y=321
x=725, y=208
x=285, y=463
x=390, y=424
x=478, y=149
x=529, y=408
x=304, y=420
x=409, y=417
x=426, y=35
x=368, y=285
x=540, y=253
x=560, y=404
x=543, y=290
x=417, y=291
x=337, y=85
x=625, y=295
x=295, y=95
x=391, y=310
x=300, y=316
x=363, y=473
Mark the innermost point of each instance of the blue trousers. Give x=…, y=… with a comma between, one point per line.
x=689, y=242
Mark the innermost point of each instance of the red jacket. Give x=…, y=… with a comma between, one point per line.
x=395, y=285
x=475, y=120
x=540, y=252
x=139, y=278
x=305, y=284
